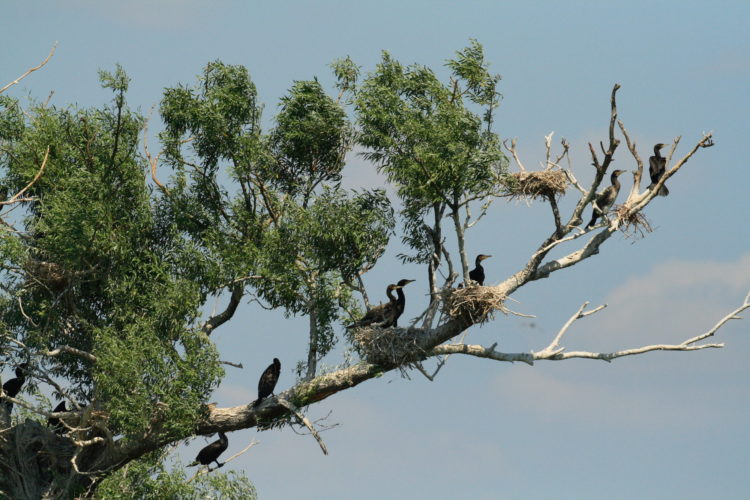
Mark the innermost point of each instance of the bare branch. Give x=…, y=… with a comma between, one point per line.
x=732, y=315
x=71, y=350
x=17, y=197
x=639, y=172
x=548, y=149
x=216, y=321
x=304, y=421
x=28, y=72
x=512, y=150
x=553, y=347
x=483, y=352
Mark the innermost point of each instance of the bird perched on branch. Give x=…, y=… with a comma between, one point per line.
x=386, y=315
x=13, y=386
x=210, y=453
x=54, y=422
x=606, y=198
x=477, y=274
x=268, y=380
x=657, y=165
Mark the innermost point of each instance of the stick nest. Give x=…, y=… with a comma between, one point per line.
x=476, y=302
x=388, y=346
x=537, y=184
x=49, y=274
x=633, y=224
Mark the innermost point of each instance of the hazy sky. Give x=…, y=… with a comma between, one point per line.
x=657, y=426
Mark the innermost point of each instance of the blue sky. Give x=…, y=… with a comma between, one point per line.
x=661, y=425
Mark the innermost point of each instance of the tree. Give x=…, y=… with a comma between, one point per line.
x=105, y=269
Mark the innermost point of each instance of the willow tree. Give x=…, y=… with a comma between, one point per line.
x=110, y=254
x=432, y=142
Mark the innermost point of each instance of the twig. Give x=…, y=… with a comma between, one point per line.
x=513, y=151
x=236, y=365
x=554, y=346
x=28, y=72
x=303, y=420
x=17, y=197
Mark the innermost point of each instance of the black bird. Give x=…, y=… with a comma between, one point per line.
x=606, y=198
x=386, y=315
x=400, y=303
x=13, y=386
x=657, y=165
x=54, y=422
x=477, y=274
x=268, y=380
x=210, y=453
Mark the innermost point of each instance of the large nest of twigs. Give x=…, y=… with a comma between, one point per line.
x=388, y=346
x=35, y=461
x=48, y=274
x=478, y=303
x=537, y=184
x=632, y=224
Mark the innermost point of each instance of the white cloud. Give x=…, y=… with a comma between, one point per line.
x=653, y=391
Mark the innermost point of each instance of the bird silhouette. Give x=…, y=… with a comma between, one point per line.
x=657, y=165
x=13, y=386
x=268, y=380
x=210, y=453
x=606, y=198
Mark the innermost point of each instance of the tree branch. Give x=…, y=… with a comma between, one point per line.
x=28, y=72
x=17, y=197
x=216, y=321
x=304, y=421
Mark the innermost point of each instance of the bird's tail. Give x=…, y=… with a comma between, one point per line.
x=663, y=191
x=257, y=402
x=193, y=464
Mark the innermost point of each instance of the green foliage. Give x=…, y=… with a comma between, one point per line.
x=149, y=478
x=104, y=263
x=94, y=272
x=310, y=140
x=288, y=223
x=424, y=136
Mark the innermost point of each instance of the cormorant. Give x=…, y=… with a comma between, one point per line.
x=606, y=198
x=13, y=386
x=210, y=453
x=268, y=380
x=477, y=274
x=657, y=165
x=54, y=422
x=386, y=315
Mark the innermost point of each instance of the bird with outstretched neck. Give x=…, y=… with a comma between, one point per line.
x=210, y=453
x=477, y=274
x=606, y=198
x=268, y=380
x=657, y=165
x=386, y=315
